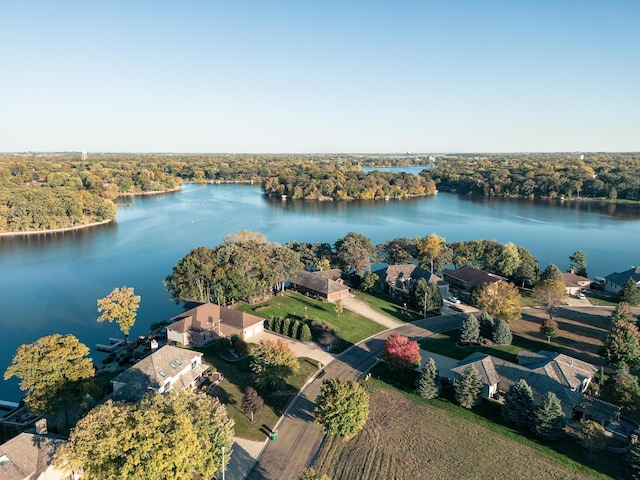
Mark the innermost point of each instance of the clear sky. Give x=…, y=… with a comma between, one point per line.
x=322, y=76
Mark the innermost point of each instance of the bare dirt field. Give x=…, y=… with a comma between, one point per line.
x=581, y=330
x=405, y=439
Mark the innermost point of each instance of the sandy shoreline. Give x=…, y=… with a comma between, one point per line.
x=55, y=230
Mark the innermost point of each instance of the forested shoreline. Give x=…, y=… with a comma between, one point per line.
x=43, y=192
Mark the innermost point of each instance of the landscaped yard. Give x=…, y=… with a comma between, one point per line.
x=447, y=344
x=237, y=376
x=387, y=306
x=350, y=328
x=407, y=437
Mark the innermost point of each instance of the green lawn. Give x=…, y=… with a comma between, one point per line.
x=527, y=299
x=350, y=328
x=237, y=376
x=446, y=344
x=387, y=306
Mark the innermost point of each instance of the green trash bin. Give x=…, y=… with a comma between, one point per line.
x=274, y=435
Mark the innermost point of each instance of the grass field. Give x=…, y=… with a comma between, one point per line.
x=237, y=376
x=387, y=306
x=407, y=437
x=350, y=328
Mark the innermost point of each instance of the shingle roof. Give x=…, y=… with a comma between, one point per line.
x=318, y=283
x=203, y=316
x=472, y=276
x=152, y=371
x=409, y=270
x=27, y=456
x=483, y=363
x=619, y=278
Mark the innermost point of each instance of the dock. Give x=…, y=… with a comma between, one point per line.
x=114, y=344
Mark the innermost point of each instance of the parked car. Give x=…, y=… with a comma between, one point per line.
x=453, y=299
x=581, y=296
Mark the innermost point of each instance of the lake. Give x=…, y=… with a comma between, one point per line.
x=50, y=284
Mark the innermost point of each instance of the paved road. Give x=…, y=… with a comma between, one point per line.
x=299, y=438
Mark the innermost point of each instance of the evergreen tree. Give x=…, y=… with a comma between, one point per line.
x=428, y=384
x=470, y=329
x=502, y=333
x=295, y=328
x=578, y=263
x=486, y=325
x=551, y=273
x=518, y=403
x=469, y=388
x=286, y=327
x=629, y=293
x=622, y=345
x=633, y=459
x=305, y=333
x=548, y=419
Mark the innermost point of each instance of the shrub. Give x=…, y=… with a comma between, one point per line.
x=239, y=345
x=305, y=333
x=295, y=328
x=502, y=333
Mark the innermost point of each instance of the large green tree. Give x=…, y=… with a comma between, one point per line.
x=502, y=333
x=501, y=300
x=470, y=329
x=273, y=361
x=342, y=407
x=121, y=306
x=355, y=252
x=179, y=436
x=622, y=344
x=629, y=293
x=552, y=272
x=430, y=249
x=428, y=384
x=50, y=369
x=548, y=419
x=518, y=403
x=425, y=296
x=578, y=263
x=468, y=388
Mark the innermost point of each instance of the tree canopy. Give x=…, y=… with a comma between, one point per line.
x=354, y=252
x=501, y=300
x=548, y=419
x=121, y=306
x=551, y=294
x=629, y=293
x=342, y=407
x=428, y=384
x=49, y=368
x=400, y=352
x=518, y=404
x=468, y=388
x=160, y=437
x=273, y=361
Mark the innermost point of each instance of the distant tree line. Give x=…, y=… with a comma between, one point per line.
x=597, y=175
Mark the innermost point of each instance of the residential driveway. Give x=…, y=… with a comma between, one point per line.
x=309, y=350
x=444, y=364
x=362, y=309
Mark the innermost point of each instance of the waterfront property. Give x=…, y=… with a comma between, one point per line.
x=169, y=368
x=327, y=284
x=465, y=279
x=29, y=456
x=398, y=279
x=613, y=282
x=575, y=284
x=208, y=321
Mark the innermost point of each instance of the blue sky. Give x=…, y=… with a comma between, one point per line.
x=344, y=76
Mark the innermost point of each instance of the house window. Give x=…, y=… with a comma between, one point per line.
x=194, y=364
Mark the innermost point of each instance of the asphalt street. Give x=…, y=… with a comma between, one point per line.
x=299, y=439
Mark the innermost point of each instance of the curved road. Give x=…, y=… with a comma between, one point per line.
x=299, y=438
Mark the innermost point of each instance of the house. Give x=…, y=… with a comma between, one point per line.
x=466, y=278
x=574, y=284
x=325, y=285
x=208, y=321
x=565, y=376
x=614, y=282
x=169, y=368
x=398, y=279
x=29, y=456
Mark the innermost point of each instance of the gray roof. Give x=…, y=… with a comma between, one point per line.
x=27, y=456
x=543, y=371
x=316, y=282
x=392, y=272
x=619, y=278
x=470, y=276
x=152, y=371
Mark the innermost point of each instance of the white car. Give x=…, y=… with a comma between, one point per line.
x=581, y=296
x=453, y=299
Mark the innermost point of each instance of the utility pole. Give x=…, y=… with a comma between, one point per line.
x=424, y=306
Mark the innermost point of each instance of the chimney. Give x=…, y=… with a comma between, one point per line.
x=41, y=426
